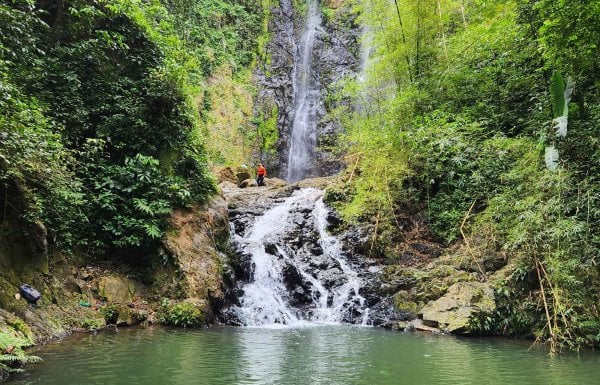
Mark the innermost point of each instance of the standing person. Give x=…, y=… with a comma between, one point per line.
x=261, y=173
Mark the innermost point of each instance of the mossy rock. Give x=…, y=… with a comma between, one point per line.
x=116, y=289
x=454, y=310
x=408, y=309
x=15, y=326
x=128, y=316
x=401, y=278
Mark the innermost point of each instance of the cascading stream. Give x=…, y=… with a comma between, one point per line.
x=300, y=274
x=306, y=99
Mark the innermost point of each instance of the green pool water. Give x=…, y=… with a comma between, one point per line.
x=312, y=355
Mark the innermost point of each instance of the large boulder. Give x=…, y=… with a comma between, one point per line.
x=248, y=183
x=130, y=316
x=196, y=234
x=226, y=174
x=116, y=289
x=452, y=312
x=275, y=182
x=242, y=173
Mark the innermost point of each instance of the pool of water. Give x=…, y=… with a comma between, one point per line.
x=327, y=355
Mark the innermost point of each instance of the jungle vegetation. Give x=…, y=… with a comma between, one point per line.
x=103, y=113
x=485, y=114
x=482, y=113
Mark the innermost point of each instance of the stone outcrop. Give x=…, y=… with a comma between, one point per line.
x=83, y=298
x=452, y=312
x=116, y=289
x=444, y=292
x=193, y=246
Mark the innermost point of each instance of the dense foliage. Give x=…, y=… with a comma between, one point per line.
x=455, y=114
x=101, y=130
x=182, y=314
x=12, y=354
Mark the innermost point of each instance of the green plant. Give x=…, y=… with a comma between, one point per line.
x=90, y=324
x=110, y=313
x=181, y=314
x=12, y=356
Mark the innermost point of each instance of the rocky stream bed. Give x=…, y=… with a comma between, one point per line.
x=200, y=264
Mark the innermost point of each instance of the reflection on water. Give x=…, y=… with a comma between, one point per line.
x=314, y=355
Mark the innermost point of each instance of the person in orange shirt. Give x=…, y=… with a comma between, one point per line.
x=261, y=173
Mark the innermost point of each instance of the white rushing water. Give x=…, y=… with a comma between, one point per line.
x=303, y=139
x=267, y=298
x=366, y=48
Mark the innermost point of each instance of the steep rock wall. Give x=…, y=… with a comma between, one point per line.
x=79, y=294
x=335, y=54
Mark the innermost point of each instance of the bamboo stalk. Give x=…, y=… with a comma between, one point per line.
x=462, y=225
x=557, y=301
x=439, y=4
x=548, y=320
x=374, y=237
x=354, y=168
x=410, y=74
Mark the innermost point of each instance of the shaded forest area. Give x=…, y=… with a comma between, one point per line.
x=102, y=106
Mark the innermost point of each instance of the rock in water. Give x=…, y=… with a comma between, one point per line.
x=453, y=311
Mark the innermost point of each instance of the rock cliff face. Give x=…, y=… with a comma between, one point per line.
x=189, y=268
x=194, y=245
x=334, y=55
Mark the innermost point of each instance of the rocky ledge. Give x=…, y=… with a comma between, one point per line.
x=430, y=288
x=188, y=271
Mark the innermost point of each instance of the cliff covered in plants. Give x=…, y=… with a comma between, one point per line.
x=478, y=125
x=103, y=157
x=471, y=146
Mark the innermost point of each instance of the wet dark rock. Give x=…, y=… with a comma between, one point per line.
x=383, y=312
x=319, y=261
x=271, y=248
x=299, y=297
x=316, y=251
x=357, y=240
x=334, y=55
x=292, y=277
x=243, y=266
x=333, y=221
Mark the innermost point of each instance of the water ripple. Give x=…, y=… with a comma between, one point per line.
x=328, y=355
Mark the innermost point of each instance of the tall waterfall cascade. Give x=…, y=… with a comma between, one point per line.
x=299, y=274
x=306, y=97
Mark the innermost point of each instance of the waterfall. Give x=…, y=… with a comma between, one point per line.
x=366, y=48
x=300, y=274
x=305, y=84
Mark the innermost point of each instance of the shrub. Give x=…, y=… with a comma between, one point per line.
x=182, y=314
x=111, y=314
x=12, y=355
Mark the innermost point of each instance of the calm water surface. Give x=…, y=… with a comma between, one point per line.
x=328, y=355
